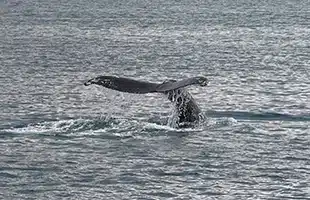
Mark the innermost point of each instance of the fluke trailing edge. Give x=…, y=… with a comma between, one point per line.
x=188, y=110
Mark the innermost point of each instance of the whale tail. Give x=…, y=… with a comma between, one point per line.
x=187, y=110
x=142, y=87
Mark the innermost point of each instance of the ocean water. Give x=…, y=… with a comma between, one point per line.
x=62, y=140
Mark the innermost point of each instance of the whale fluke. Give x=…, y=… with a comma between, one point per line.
x=141, y=87
x=188, y=110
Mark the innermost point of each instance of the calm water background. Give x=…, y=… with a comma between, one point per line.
x=61, y=140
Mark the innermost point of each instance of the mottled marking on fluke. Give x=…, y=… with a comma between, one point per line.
x=188, y=111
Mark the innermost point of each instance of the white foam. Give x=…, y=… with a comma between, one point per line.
x=55, y=126
x=149, y=125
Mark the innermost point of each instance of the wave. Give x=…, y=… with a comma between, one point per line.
x=129, y=126
x=80, y=126
x=243, y=115
x=111, y=127
x=61, y=126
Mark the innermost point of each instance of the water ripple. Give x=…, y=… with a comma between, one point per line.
x=61, y=140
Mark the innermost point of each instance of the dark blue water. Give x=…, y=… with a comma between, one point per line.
x=62, y=140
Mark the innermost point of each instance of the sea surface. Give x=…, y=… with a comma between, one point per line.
x=62, y=140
